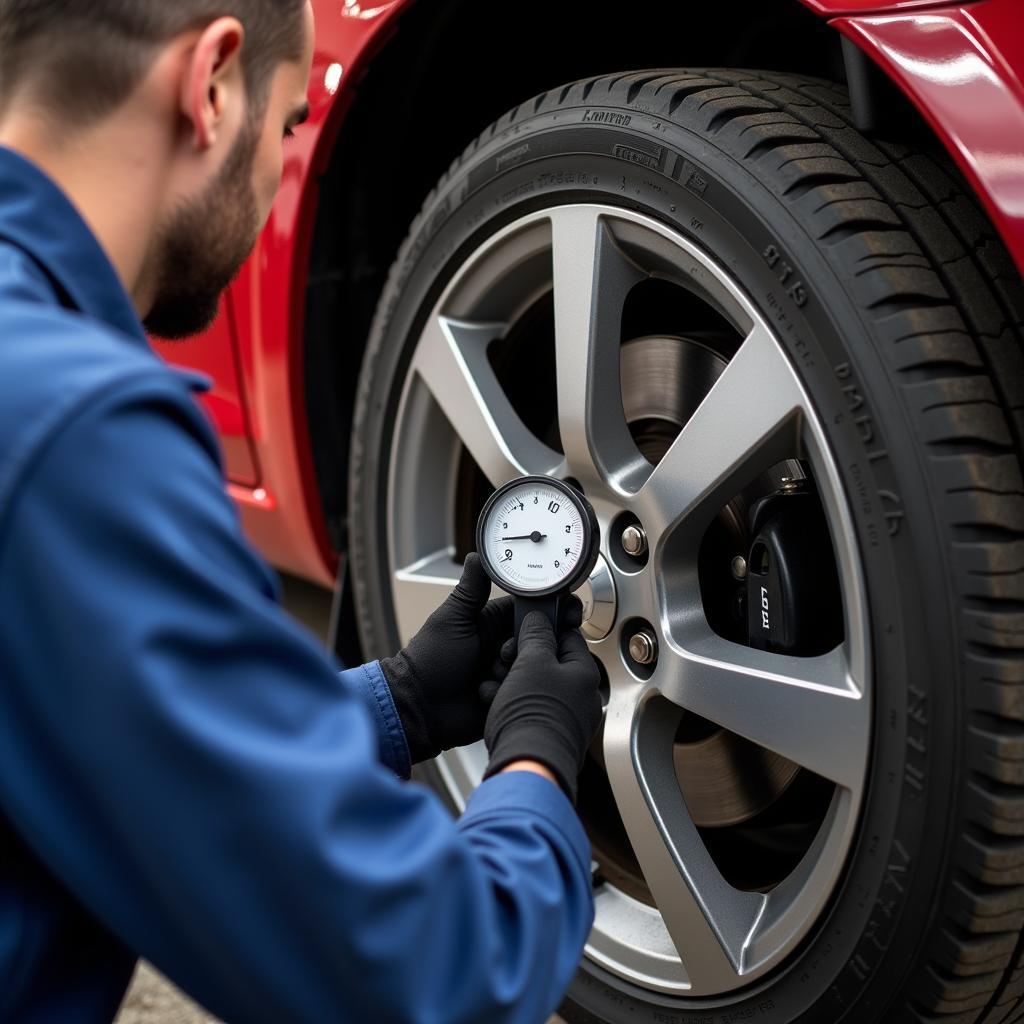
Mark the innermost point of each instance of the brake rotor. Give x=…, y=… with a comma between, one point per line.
x=725, y=779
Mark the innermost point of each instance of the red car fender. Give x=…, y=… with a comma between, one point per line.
x=961, y=65
x=832, y=8
x=283, y=514
x=963, y=68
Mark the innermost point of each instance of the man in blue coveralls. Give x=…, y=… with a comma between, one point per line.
x=184, y=775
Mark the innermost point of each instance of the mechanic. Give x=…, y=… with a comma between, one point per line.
x=184, y=774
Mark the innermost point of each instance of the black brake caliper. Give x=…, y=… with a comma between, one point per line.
x=794, y=602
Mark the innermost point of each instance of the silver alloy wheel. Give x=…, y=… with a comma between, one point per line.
x=706, y=938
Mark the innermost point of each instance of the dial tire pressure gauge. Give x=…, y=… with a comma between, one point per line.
x=538, y=540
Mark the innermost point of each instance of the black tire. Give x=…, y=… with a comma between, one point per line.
x=905, y=320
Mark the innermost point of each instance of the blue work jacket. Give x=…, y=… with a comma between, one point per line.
x=184, y=774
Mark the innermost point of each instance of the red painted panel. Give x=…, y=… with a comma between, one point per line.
x=214, y=354
x=831, y=8
x=283, y=515
x=963, y=68
x=999, y=26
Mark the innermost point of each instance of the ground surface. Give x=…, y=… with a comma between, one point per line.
x=154, y=1000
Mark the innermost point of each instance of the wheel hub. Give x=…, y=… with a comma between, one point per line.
x=600, y=604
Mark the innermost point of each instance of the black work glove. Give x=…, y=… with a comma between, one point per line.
x=435, y=681
x=548, y=709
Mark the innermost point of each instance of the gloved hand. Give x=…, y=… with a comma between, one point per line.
x=435, y=681
x=548, y=709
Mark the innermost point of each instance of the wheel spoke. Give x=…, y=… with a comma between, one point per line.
x=708, y=920
x=452, y=361
x=789, y=909
x=806, y=709
x=420, y=588
x=736, y=432
x=592, y=277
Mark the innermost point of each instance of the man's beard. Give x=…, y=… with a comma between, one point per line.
x=203, y=246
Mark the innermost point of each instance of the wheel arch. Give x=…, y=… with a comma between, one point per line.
x=944, y=65
x=410, y=113
x=414, y=107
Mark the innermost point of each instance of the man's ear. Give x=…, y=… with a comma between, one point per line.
x=213, y=80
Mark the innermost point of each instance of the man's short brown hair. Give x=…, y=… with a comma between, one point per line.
x=80, y=59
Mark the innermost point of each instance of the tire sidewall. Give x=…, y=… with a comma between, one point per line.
x=892, y=874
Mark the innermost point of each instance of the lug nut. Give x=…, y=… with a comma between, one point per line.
x=739, y=568
x=634, y=541
x=643, y=648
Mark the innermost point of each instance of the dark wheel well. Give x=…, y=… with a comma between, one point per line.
x=451, y=69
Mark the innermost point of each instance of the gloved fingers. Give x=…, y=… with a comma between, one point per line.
x=499, y=669
x=497, y=619
x=536, y=634
x=488, y=690
x=571, y=616
x=572, y=647
x=474, y=588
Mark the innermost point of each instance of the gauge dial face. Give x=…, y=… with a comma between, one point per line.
x=533, y=536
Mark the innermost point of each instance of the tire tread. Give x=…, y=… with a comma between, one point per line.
x=931, y=272
x=944, y=297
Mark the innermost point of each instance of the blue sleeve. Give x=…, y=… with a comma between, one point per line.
x=368, y=681
x=190, y=765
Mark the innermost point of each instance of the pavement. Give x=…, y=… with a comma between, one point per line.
x=152, y=999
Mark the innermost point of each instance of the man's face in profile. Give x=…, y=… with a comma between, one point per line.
x=202, y=246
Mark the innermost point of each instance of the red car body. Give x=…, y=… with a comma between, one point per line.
x=961, y=65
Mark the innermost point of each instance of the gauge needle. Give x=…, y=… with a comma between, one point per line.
x=536, y=537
